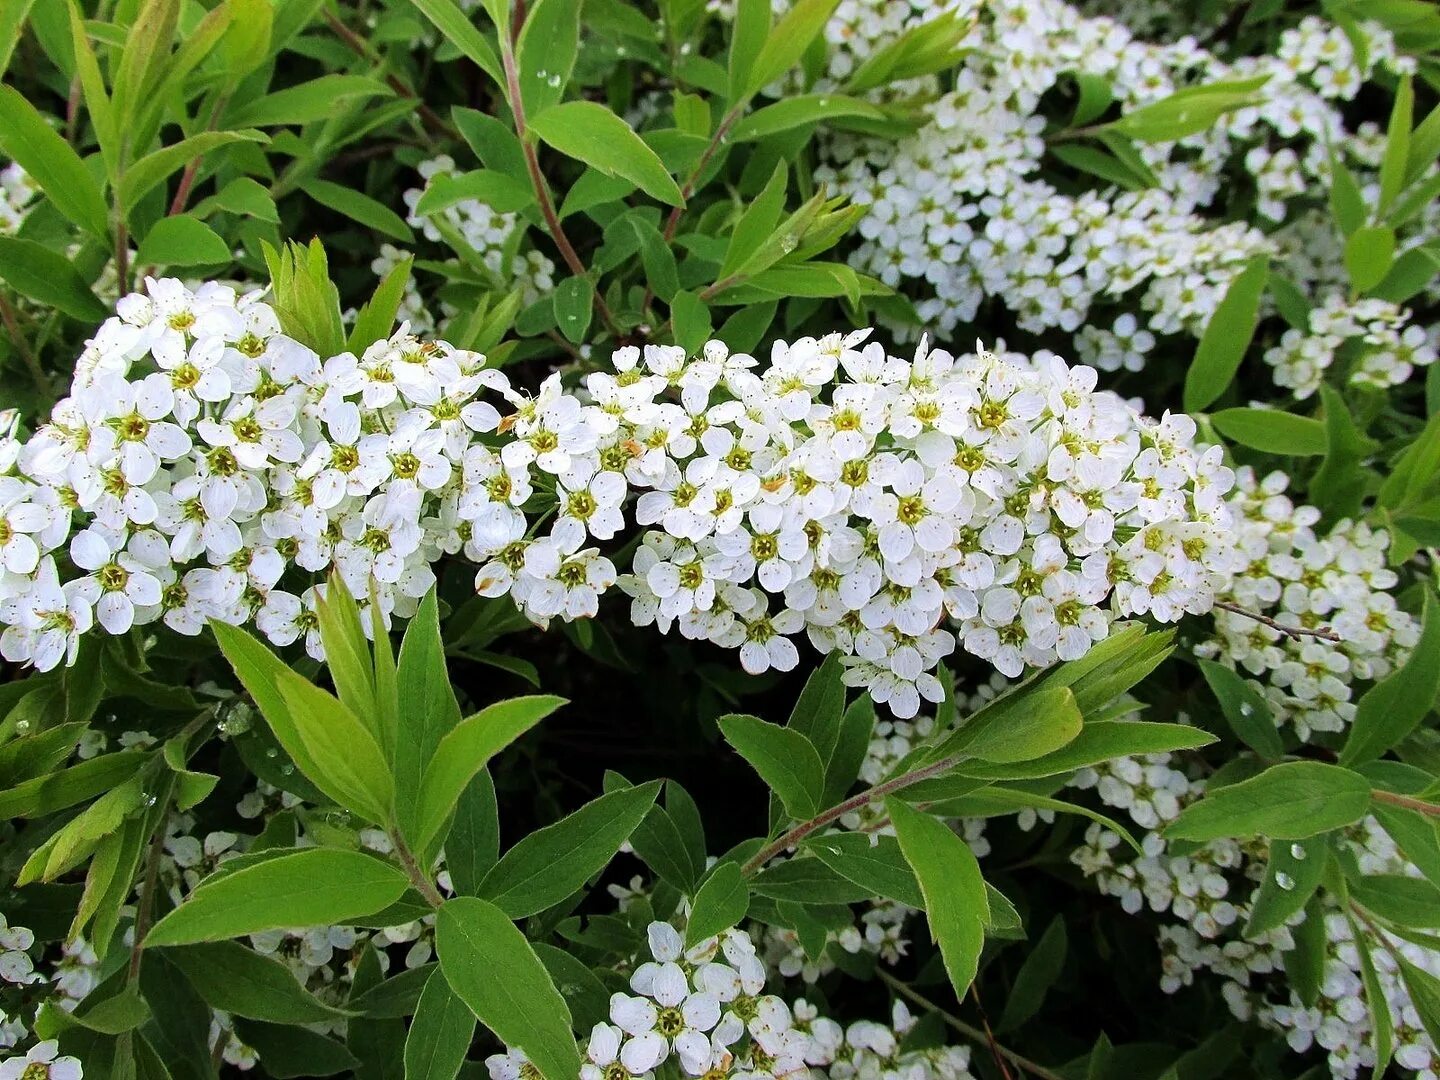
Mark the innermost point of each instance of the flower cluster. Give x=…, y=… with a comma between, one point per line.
x=1209, y=894
x=1389, y=347
x=1304, y=578
x=706, y=1008
x=206, y=466
x=963, y=210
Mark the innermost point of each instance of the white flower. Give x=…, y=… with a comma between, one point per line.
x=41, y=1063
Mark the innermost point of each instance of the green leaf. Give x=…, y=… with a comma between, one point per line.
x=956, y=906
x=500, y=191
x=1305, y=964
x=993, y=801
x=1347, y=205
x=351, y=766
x=1189, y=111
x=144, y=175
x=428, y=712
x=808, y=881
x=29, y=141
x=1417, y=836
x=1369, y=254
x=546, y=52
x=307, y=101
x=721, y=902
x=239, y=980
x=1381, y=1022
x=589, y=132
x=49, y=278
x=1392, y=708
x=12, y=22
x=440, y=1033
x=574, y=301
x=1272, y=431
x=1292, y=874
x=182, y=240
x=873, y=862
x=376, y=318
x=1290, y=801
x=311, y=887
x=457, y=29
x=800, y=110
x=473, y=843
x=1424, y=996
x=1397, y=144
x=1338, y=486
x=476, y=940
x=757, y=223
x=1099, y=740
x=1412, y=271
x=1409, y=902
x=691, y=321
x=751, y=30
x=1049, y=721
x=549, y=864
x=358, y=206
x=784, y=45
x=1226, y=337
x=465, y=751
x=1036, y=975
x=784, y=758
x=290, y=1051
x=80, y=782
x=1246, y=710
x=243, y=196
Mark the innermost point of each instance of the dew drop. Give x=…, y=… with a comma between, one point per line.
x=272, y=752
x=287, y=769
x=823, y=102
x=1298, y=852
x=553, y=81
x=22, y=727
x=1246, y=709
x=148, y=799
x=1285, y=881
x=620, y=50
x=542, y=74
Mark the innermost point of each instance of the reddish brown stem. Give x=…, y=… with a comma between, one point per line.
x=1296, y=632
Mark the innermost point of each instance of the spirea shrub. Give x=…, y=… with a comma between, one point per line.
x=511, y=565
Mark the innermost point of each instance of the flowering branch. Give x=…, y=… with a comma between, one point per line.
x=1296, y=632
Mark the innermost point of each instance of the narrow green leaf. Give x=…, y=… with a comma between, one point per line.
x=351, y=766
x=784, y=758
x=376, y=318
x=574, y=301
x=29, y=141
x=1397, y=144
x=1273, y=431
x=1290, y=801
x=549, y=864
x=1392, y=708
x=589, y=132
x=721, y=902
x=1036, y=975
x=476, y=940
x=457, y=29
x=307, y=101
x=465, y=751
x=182, y=240
x=311, y=887
x=49, y=278
x=800, y=110
x=239, y=980
x=1292, y=875
x=153, y=169
x=874, y=862
x=784, y=45
x=1369, y=254
x=956, y=906
x=1246, y=710
x=358, y=206
x=440, y=1033
x=1227, y=336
